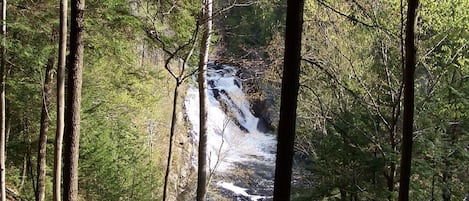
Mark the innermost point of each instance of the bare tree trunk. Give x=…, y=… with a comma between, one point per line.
x=60, y=100
x=203, y=60
x=343, y=195
x=45, y=122
x=179, y=78
x=7, y=122
x=171, y=136
x=72, y=118
x=2, y=103
x=23, y=172
x=289, y=95
x=408, y=119
x=29, y=153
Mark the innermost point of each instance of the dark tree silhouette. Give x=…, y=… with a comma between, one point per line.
x=73, y=102
x=289, y=95
x=408, y=119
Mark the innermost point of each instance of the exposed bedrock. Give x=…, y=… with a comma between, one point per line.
x=261, y=95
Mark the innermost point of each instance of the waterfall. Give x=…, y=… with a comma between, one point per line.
x=235, y=145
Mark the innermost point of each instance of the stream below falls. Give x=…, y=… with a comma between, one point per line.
x=241, y=158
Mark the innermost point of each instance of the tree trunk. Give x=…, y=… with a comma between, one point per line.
x=203, y=60
x=343, y=195
x=289, y=95
x=25, y=155
x=45, y=122
x=7, y=121
x=60, y=100
x=408, y=118
x=23, y=171
x=2, y=103
x=29, y=153
x=72, y=118
x=171, y=136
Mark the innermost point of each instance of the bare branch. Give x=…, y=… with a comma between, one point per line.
x=354, y=94
x=353, y=18
x=170, y=9
x=233, y=5
x=193, y=40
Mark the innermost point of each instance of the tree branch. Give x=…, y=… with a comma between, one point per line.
x=350, y=17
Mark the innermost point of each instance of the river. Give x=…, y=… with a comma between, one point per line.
x=241, y=158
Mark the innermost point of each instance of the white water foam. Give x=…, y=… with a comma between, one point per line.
x=233, y=137
x=241, y=191
x=227, y=142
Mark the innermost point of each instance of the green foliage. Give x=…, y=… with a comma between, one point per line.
x=442, y=100
x=30, y=44
x=172, y=26
x=349, y=112
x=250, y=26
x=119, y=154
x=119, y=99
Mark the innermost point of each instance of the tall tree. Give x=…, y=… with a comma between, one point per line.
x=408, y=118
x=72, y=119
x=203, y=60
x=175, y=47
x=179, y=79
x=289, y=95
x=44, y=127
x=60, y=100
x=2, y=102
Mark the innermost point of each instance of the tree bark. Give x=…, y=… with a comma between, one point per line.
x=203, y=60
x=60, y=100
x=171, y=138
x=23, y=172
x=289, y=95
x=72, y=118
x=408, y=118
x=7, y=121
x=2, y=103
x=44, y=129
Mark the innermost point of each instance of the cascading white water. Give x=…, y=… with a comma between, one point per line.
x=234, y=141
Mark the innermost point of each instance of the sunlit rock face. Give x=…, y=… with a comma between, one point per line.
x=241, y=152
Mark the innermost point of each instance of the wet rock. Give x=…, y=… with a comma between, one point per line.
x=216, y=94
x=255, y=177
x=211, y=83
x=236, y=82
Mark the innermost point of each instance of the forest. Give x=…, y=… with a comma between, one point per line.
x=342, y=100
